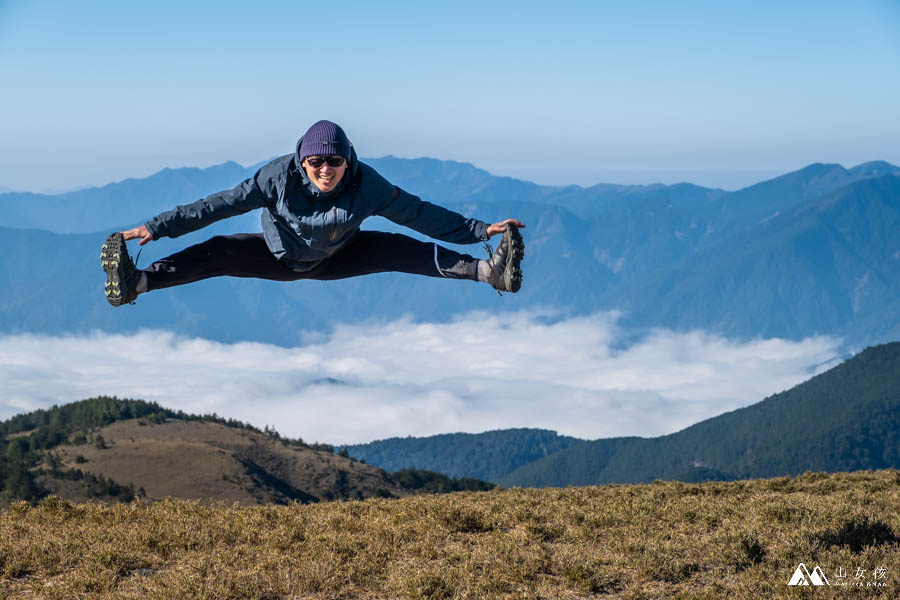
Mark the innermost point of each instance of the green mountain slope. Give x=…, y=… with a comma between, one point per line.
x=486, y=456
x=845, y=419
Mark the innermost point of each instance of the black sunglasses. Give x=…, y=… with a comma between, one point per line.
x=332, y=161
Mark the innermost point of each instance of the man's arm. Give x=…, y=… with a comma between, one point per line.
x=243, y=198
x=434, y=221
x=438, y=222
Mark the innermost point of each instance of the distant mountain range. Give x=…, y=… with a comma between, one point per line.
x=810, y=252
x=845, y=419
x=125, y=203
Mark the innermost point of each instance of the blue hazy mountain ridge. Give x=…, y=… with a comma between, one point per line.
x=829, y=265
x=453, y=182
x=810, y=253
x=845, y=419
x=125, y=203
x=134, y=201
x=769, y=198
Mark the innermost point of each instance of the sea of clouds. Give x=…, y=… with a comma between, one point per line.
x=579, y=376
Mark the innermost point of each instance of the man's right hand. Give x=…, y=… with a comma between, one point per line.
x=138, y=232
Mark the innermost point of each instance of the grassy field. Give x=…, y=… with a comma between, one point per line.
x=717, y=540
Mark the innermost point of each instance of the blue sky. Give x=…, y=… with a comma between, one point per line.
x=719, y=93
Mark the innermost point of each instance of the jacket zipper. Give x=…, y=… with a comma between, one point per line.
x=334, y=226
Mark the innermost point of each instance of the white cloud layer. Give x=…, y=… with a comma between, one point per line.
x=480, y=372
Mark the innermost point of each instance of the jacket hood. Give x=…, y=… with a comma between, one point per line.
x=310, y=188
x=352, y=165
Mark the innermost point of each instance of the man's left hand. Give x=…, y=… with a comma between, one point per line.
x=501, y=226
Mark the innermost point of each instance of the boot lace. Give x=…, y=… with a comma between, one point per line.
x=490, y=253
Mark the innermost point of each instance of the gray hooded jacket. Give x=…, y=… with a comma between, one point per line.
x=303, y=226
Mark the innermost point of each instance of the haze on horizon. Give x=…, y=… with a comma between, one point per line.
x=719, y=94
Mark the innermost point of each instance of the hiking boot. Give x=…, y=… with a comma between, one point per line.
x=121, y=276
x=505, y=264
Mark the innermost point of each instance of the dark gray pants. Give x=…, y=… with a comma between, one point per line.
x=247, y=255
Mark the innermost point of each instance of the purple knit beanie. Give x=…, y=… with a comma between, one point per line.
x=325, y=139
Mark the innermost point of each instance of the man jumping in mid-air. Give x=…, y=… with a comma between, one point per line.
x=313, y=202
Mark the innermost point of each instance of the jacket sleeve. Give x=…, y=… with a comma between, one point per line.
x=434, y=221
x=247, y=196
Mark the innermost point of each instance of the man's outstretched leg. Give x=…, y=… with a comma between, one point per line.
x=379, y=252
x=235, y=255
x=239, y=255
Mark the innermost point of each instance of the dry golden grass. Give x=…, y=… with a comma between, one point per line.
x=718, y=540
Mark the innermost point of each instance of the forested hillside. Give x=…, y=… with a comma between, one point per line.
x=488, y=456
x=28, y=466
x=845, y=419
x=110, y=449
